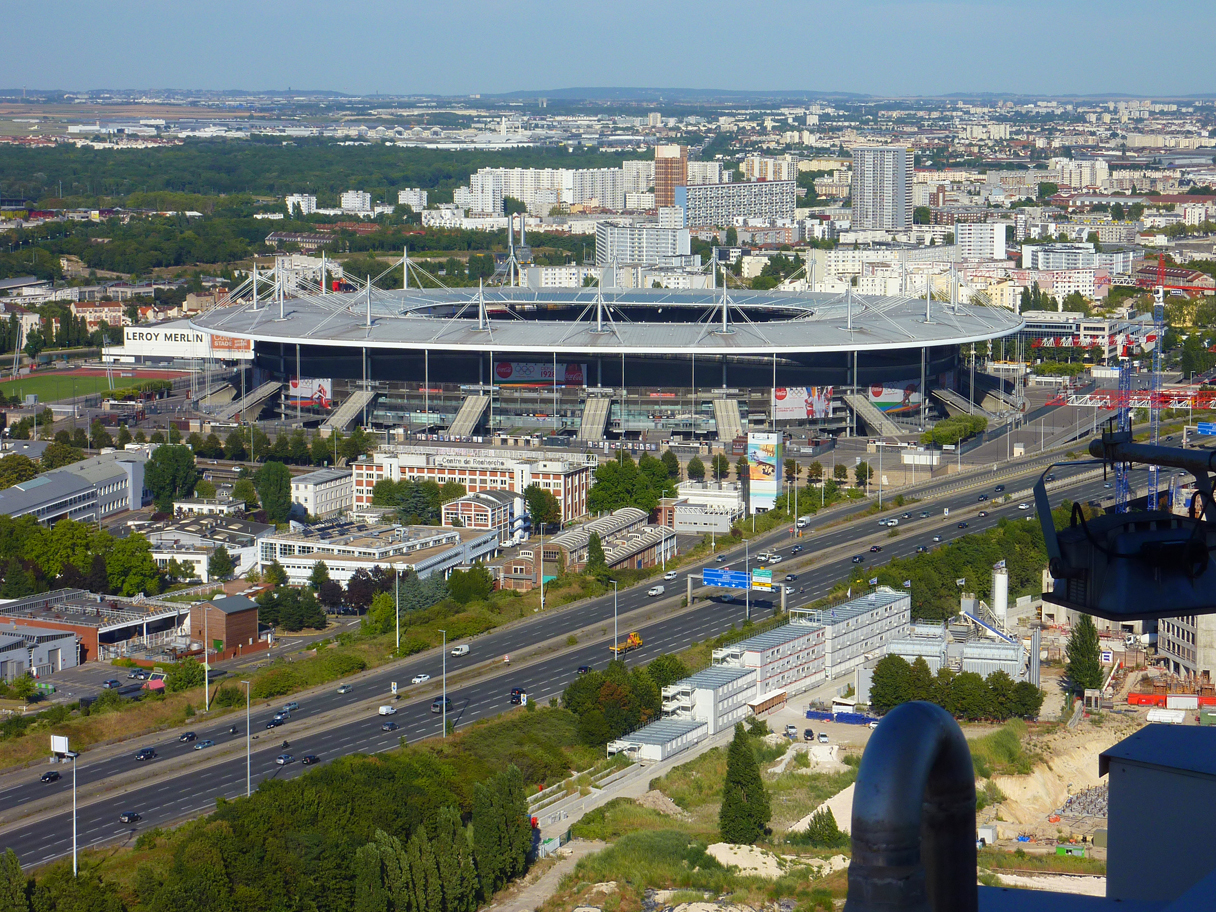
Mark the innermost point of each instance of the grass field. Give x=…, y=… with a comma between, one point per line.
x=50, y=388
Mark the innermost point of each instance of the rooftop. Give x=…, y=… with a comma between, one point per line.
x=85, y=609
x=232, y=604
x=715, y=676
x=1174, y=747
x=777, y=637
x=663, y=731
x=322, y=476
x=880, y=597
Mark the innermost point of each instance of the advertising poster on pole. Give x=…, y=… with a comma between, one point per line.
x=764, y=470
x=898, y=396
x=796, y=403
x=538, y=373
x=311, y=393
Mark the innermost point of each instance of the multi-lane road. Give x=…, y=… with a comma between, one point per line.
x=181, y=781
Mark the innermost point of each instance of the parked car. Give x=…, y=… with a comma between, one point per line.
x=873, y=725
x=823, y=737
x=145, y=753
x=138, y=674
x=187, y=737
x=345, y=688
x=129, y=817
x=284, y=759
x=388, y=727
x=420, y=679
x=111, y=684
x=204, y=744
x=310, y=759
x=52, y=776
x=791, y=732
x=808, y=735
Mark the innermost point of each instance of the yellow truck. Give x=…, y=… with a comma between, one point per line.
x=630, y=643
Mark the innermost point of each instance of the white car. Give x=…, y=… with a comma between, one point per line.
x=420, y=679
x=1023, y=506
x=669, y=575
x=388, y=710
x=775, y=559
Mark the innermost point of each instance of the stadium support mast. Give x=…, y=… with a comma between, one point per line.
x=1154, y=405
x=1123, y=469
x=405, y=269
x=255, y=284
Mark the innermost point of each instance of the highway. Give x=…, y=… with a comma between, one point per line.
x=182, y=791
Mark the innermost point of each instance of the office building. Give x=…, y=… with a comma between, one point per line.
x=412, y=197
x=720, y=205
x=38, y=651
x=84, y=491
x=670, y=172
x=626, y=245
x=540, y=189
x=348, y=547
x=501, y=511
x=192, y=540
x=301, y=204
x=356, y=201
x=323, y=493
x=569, y=481
x=882, y=187
x=980, y=240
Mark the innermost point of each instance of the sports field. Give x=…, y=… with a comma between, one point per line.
x=53, y=386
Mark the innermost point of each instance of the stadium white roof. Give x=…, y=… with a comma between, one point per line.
x=588, y=321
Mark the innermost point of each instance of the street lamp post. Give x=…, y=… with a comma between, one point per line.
x=398, y=590
x=616, y=635
x=248, y=745
x=445, y=682
x=73, y=814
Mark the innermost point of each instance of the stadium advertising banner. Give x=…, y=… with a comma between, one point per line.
x=538, y=373
x=900, y=396
x=763, y=470
x=177, y=340
x=311, y=393
x=231, y=347
x=801, y=402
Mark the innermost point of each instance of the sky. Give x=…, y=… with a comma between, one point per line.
x=457, y=47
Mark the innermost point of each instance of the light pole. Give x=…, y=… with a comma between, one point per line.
x=445, y=682
x=616, y=636
x=73, y=813
x=248, y=745
x=747, y=569
x=206, y=663
x=398, y=590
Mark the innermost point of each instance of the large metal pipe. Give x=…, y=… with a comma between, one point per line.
x=914, y=817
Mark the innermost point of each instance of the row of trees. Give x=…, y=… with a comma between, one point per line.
x=416, y=501
x=624, y=483
x=965, y=695
x=72, y=554
x=295, y=449
x=954, y=430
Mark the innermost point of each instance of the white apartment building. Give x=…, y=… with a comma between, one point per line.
x=638, y=201
x=860, y=628
x=301, y=203
x=1081, y=174
x=323, y=493
x=638, y=176
x=765, y=168
x=559, y=276
x=412, y=197
x=568, y=481
x=790, y=659
x=1060, y=283
x=627, y=245
x=709, y=205
x=980, y=240
x=882, y=187
x=356, y=201
x=1078, y=256
x=540, y=189
x=711, y=172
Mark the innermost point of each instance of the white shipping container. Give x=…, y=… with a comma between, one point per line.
x=1168, y=716
x=1181, y=701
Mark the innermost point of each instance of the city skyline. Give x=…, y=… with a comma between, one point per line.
x=926, y=49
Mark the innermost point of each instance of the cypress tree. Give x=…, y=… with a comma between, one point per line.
x=518, y=823
x=370, y=894
x=454, y=862
x=1084, y=655
x=487, y=838
x=745, y=808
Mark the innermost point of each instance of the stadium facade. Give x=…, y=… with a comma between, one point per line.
x=593, y=363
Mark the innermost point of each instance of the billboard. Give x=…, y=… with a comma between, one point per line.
x=763, y=470
x=176, y=339
x=231, y=347
x=538, y=373
x=802, y=402
x=311, y=393
x=898, y=396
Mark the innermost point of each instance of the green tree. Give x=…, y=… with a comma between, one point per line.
x=170, y=474
x=890, y=685
x=319, y=575
x=244, y=491
x=14, y=885
x=205, y=489
x=472, y=585
x=1048, y=189
x=1083, y=652
x=696, y=469
x=185, y=674
x=822, y=831
x=16, y=468
x=919, y=682
x=234, y=446
x=220, y=565
x=666, y=669
x=814, y=472
x=131, y=567
x=672, y=462
x=745, y=809
x=862, y=473
x=597, y=563
x=100, y=436
x=542, y=506
x=275, y=574
x=273, y=483
x=922, y=215
x=840, y=472
x=742, y=468
x=57, y=455
x=124, y=436
x=23, y=688
x=721, y=466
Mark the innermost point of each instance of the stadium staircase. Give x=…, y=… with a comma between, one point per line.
x=470, y=413
x=957, y=404
x=595, y=419
x=347, y=412
x=728, y=419
x=872, y=416
x=252, y=401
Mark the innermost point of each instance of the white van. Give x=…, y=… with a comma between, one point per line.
x=458, y=651
x=388, y=710
x=763, y=558
x=802, y=523
x=656, y=590
x=670, y=575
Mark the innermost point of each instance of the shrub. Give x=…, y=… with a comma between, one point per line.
x=275, y=682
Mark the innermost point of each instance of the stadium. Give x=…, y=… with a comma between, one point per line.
x=591, y=364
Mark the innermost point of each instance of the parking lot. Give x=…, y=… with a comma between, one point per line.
x=849, y=737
